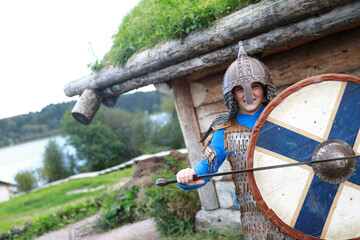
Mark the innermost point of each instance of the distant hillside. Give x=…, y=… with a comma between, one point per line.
x=46, y=123
x=33, y=125
x=143, y=101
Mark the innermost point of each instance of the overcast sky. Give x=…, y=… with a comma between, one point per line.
x=45, y=45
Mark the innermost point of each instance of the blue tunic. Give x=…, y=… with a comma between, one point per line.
x=217, y=143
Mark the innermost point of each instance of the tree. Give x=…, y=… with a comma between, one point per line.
x=169, y=134
x=96, y=144
x=25, y=180
x=54, y=163
x=120, y=122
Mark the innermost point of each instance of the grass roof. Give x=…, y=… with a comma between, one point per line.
x=155, y=21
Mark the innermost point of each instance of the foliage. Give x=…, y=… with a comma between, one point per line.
x=169, y=134
x=144, y=101
x=154, y=21
x=119, y=209
x=25, y=180
x=46, y=123
x=172, y=208
x=33, y=125
x=94, y=143
x=119, y=122
x=140, y=134
x=55, y=166
x=47, y=201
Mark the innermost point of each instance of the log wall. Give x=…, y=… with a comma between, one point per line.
x=337, y=53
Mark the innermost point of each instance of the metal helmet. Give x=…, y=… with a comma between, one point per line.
x=243, y=72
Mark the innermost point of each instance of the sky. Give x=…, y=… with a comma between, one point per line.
x=46, y=44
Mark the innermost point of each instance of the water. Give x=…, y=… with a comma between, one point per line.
x=161, y=118
x=29, y=156
x=26, y=156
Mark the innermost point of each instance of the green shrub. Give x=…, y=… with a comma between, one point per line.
x=26, y=180
x=52, y=222
x=173, y=209
x=119, y=209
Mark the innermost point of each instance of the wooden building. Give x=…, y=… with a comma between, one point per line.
x=5, y=192
x=295, y=39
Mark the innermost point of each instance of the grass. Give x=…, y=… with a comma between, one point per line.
x=155, y=21
x=44, y=202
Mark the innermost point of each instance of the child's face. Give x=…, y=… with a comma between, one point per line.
x=258, y=97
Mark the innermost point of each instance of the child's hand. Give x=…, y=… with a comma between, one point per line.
x=185, y=176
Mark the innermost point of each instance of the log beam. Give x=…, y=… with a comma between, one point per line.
x=87, y=106
x=319, y=26
x=243, y=24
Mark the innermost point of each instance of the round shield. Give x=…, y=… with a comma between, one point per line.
x=316, y=118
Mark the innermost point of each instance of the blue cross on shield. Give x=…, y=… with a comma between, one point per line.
x=289, y=130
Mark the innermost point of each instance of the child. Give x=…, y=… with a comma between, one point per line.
x=247, y=88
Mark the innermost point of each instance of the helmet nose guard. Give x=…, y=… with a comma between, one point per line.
x=249, y=97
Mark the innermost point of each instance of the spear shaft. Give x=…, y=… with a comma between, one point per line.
x=161, y=182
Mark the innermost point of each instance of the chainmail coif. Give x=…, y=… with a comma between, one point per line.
x=223, y=118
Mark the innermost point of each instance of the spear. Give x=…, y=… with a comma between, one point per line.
x=161, y=182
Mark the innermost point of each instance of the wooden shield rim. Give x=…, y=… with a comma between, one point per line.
x=255, y=134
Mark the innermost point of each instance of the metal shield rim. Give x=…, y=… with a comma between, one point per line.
x=255, y=134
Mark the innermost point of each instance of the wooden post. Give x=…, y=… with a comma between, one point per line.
x=87, y=106
x=191, y=132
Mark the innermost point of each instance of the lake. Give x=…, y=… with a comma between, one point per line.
x=26, y=156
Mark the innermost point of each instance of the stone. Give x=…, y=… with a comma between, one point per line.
x=4, y=235
x=225, y=167
x=226, y=194
x=228, y=219
x=28, y=225
x=16, y=229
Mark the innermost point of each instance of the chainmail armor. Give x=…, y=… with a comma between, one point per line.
x=255, y=225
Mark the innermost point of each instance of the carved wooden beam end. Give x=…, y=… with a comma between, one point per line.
x=87, y=106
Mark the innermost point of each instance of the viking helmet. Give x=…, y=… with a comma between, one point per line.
x=243, y=72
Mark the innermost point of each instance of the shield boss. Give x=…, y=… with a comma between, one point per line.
x=334, y=172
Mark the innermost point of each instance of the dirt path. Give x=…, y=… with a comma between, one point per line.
x=83, y=230
x=140, y=230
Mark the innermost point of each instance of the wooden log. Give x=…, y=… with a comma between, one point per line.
x=191, y=133
x=207, y=113
x=207, y=90
x=338, y=53
x=248, y=22
x=87, y=106
x=163, y=87
x=320, y=26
